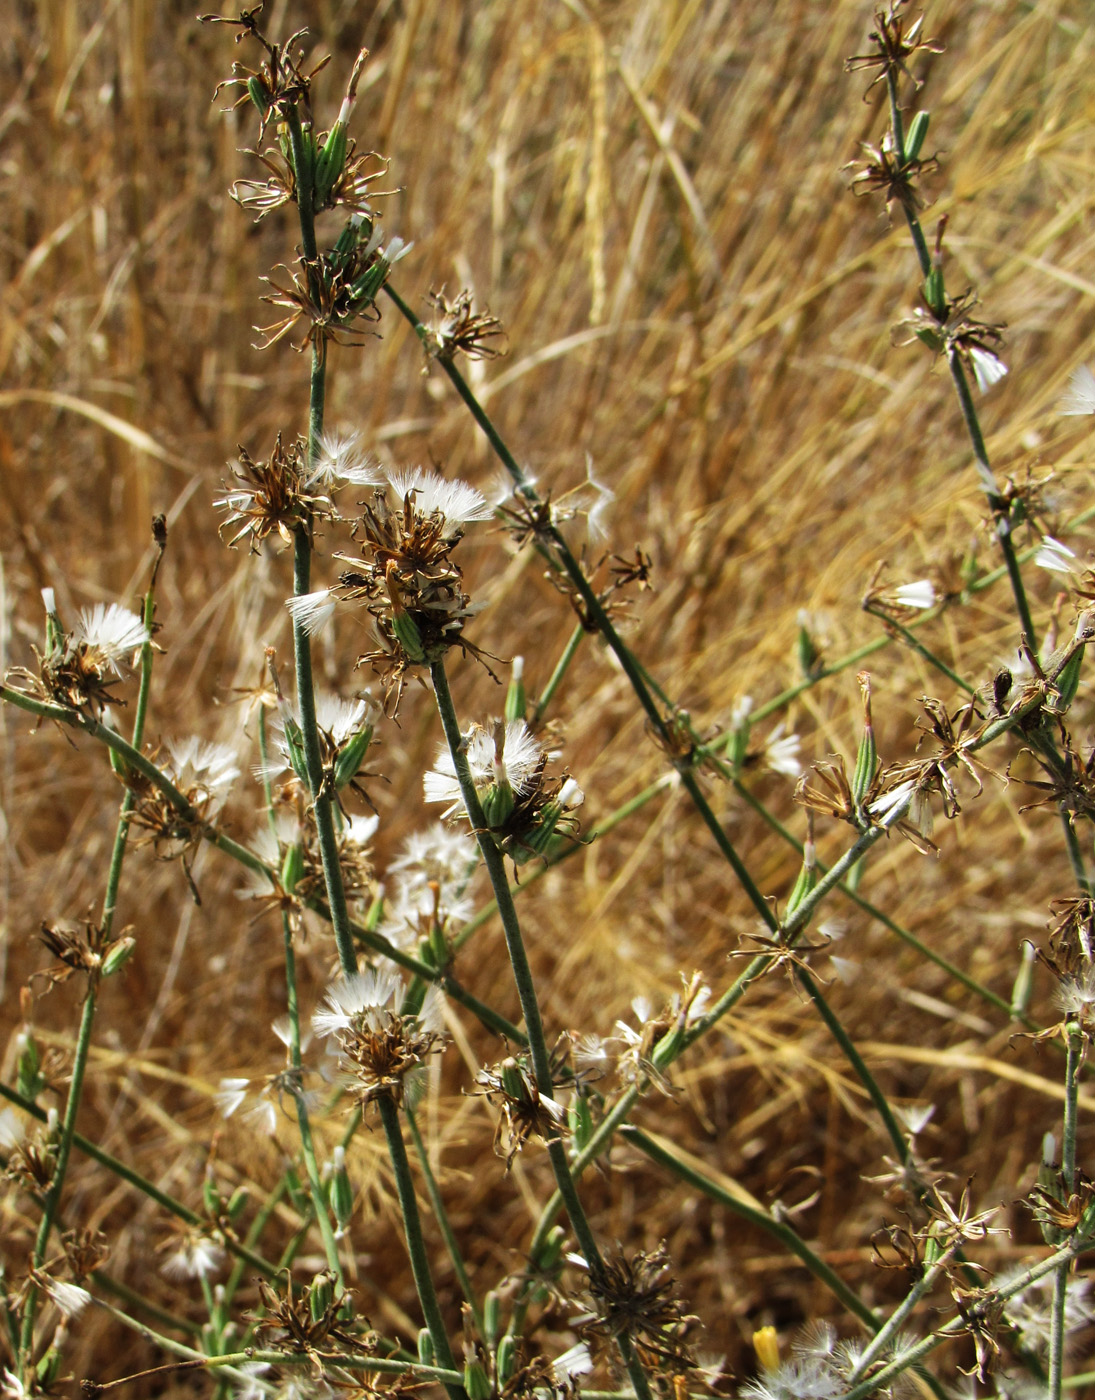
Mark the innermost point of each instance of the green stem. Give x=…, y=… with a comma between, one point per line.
x=556, y=678
x=416, y=1245
x=979, y=1310
x=918, y=646
x=1068, y=1179
x=141, y=1183
x=441, y=1215
x=321, y=802
x=57, y=1181
x=906, y=935
x=595, y=610
x=522, y=972
x=307, y=1144
x=136, y=760
x=52, y=1200
x=526, y=992
x=778, y=1229
x=855, y=1059
x=1000, y=509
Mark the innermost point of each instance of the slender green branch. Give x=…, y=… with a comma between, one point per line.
x=595, y=610
x=141, y=1183
x=983, y=1308
x=855, y=1059
x=441, y=1215
x=416, y=1245
x=307, y=1144
x=764, y=1220
x=547, y=695
x=52, y=1201
x=526, y=991
x=1068, y=1180
x=136, y=760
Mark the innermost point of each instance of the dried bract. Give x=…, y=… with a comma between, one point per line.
x=635, y=1297
x=525, y=1113
x=271, y=496
x=457, y=329
x=894, y=42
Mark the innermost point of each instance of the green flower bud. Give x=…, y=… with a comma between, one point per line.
x=29, y=1080
x=352, y=756
x=505, y=1358
x=407, y=633
x=581, y=1121
x=257, y=93
x=341, y=1192
x=492, y=1306
x=237, y=1202
x=321, y=1295
x=118, y=954
x=476, y=1381
x=425, y=1347
x=498, y=801
x=1068, y=681
x=516, y=699
x=292, y=867
x=914, y=138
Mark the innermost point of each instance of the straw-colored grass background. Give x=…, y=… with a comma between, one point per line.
x=650, y=194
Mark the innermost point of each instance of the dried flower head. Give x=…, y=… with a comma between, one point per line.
x=335, y=294
x=304, y=1320
x=280, y=81
x=951, y=330
x=270, y=496
x=91, y=951
x=894, y=42
x=406, y=574
x=79, y=669
x=457, y=329
x=882, y=172
x=381, y=1048
x=190, y=1254
x=524, y=807
x=635, y=1297
x=202, y=773
x=525, y=1113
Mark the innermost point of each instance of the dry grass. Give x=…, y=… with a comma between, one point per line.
x=650, y=195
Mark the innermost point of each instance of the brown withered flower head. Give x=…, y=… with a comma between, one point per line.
x=881, y=172
x=311, y=1318
x=458, y=329
x=280, y=79
x=202, y=774
x=406, y=575
x=636, y=1297
x=526, y=1114
x=91, y=951
x=381, y=1048
x=271, y=496
x=333, y=296
x=894, y=42
x=80, y=668
x=951, y=330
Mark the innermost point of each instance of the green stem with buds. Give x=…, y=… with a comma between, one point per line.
x=52, y=1200
x=526, y=992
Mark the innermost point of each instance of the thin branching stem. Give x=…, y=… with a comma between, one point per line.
x=1074, y=1042
x=52, y=1200
x=416, y=1244
x=526, y=992
x=441, y=1215
x=141, y=1183
x=658, y=1151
